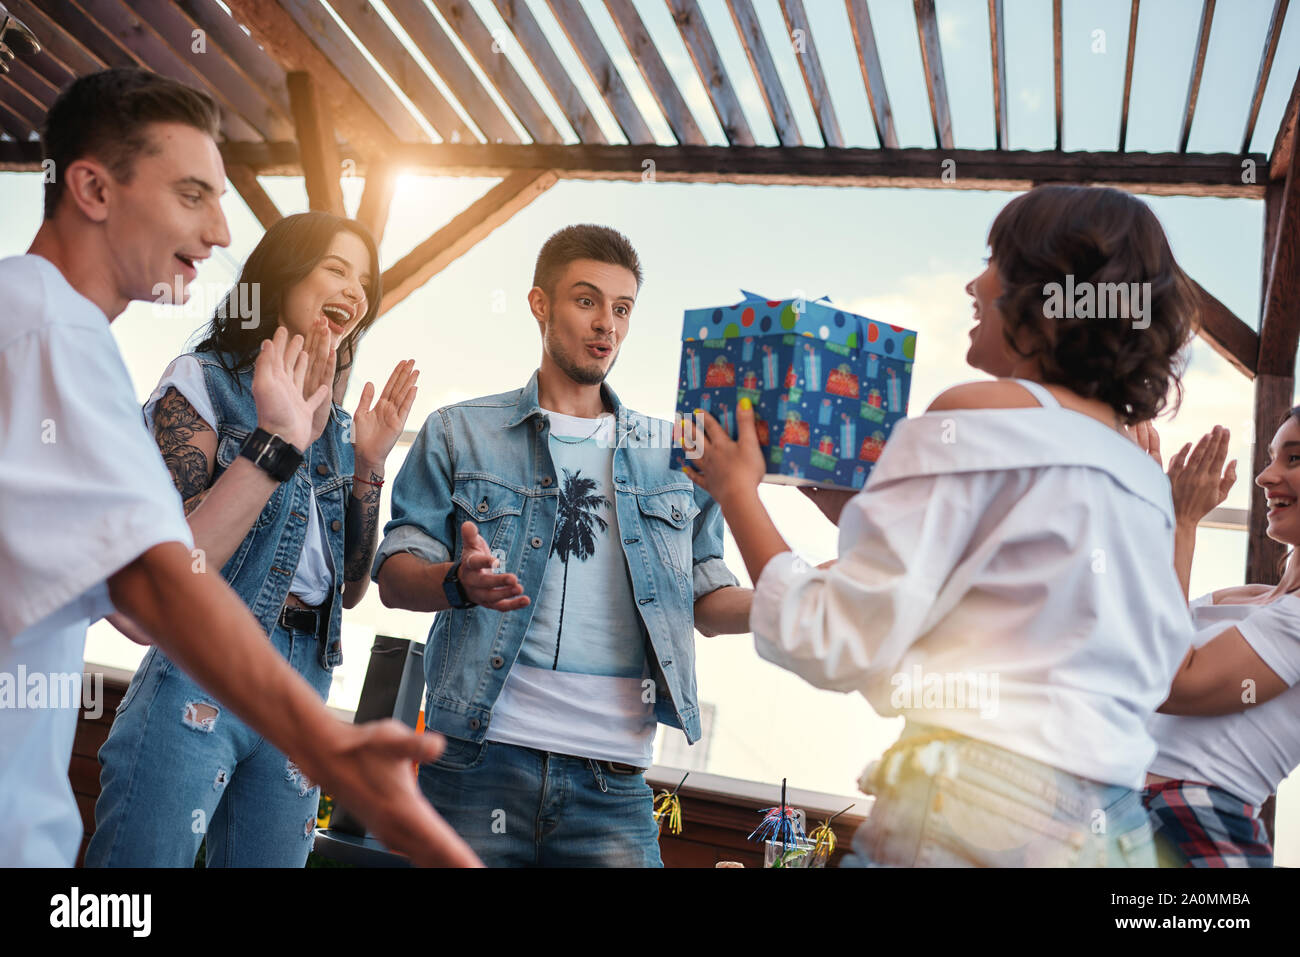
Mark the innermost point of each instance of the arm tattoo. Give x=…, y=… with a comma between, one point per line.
x=175, y=423
x=361, y=531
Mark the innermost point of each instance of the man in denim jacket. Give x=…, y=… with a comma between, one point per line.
x=571, y=567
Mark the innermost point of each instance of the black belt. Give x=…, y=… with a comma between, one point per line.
x=617, y=767
x=311, y=620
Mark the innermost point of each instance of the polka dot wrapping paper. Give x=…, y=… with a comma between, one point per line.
x=827, y=385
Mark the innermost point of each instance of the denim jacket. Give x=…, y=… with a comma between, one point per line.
x=488, y=460
x=262, y=567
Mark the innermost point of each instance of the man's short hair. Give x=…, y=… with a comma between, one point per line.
x=584, y=241
x=106, y=115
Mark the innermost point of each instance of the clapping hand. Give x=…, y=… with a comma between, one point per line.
x=376, y=430
x=285, y=407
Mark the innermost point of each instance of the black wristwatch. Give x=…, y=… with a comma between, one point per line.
x=272, y=454
x=454, y=590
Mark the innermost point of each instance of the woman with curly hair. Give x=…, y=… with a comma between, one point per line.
x=1013, y=539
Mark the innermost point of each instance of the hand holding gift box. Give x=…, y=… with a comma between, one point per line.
x=803, y=365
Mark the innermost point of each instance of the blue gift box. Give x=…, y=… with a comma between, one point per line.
x=827, y=385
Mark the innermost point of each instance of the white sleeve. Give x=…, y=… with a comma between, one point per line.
x=83, y=489
x=848, y=626
x=186, y=375
x=1274, y=634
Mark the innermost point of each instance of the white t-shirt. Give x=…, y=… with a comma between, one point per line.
x=312, y=578
x=1006, y=574
x=579, y=684
x=1249, y=753
x=83, y=493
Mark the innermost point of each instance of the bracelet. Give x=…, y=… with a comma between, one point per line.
x=379, y=484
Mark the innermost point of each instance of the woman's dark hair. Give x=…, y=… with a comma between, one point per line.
x=1102, y=241
x=286, y=255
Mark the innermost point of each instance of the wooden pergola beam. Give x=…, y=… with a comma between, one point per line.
x=16, y=123
x=1198, y=68
x=769, y=81
x=1226, y=334
x=461, y=234
x=708, y=64
x=1279, y=327
x=537, y=48
x=998, y=53
x=484, y=48
x=55, y=42
x=927, y=32
x=292, y=48
x=1128, y=74
x=810, y=65
x=873, y=77
x=595, y=59
x=658, y=78
x=377, y=199
x=1284, y=143
x=254, y=196
x=316, y=146
x=1265, y=68
x=1156, y=174
x=1058, y=56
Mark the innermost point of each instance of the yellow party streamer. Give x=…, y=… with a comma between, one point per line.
x=669, y=805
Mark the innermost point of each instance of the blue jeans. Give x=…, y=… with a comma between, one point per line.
x=519, y=807
x=177, y=765
x=945, y=800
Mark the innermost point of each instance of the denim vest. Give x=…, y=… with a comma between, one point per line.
x=488, y=460
x=262, y=567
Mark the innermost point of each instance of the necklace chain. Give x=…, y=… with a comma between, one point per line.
x=600, y=422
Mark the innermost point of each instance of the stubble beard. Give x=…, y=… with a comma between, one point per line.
x=583, y=375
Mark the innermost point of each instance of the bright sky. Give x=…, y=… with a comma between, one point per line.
x=900, y=256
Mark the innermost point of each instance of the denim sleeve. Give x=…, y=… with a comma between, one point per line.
x=423, y=517
x=709, y=572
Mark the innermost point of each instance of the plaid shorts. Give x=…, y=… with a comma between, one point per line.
x=1202, y=826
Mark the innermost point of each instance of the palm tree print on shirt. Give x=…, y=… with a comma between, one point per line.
x=575, y=532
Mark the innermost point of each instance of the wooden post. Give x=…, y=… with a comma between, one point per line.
x=316, y=147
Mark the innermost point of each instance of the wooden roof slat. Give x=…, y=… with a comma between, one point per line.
x=239, y=50
x=1128, y=74
x=537, y=48
x=769, y=81
x=1279, y=328
x=1276, y=19
x=476, y=37
x=342, y=54
x=460, y=235
x=873, y=77
x=436, y=47
x=31, y=86
x=13, y=126
x=927, y=31
x=246, y=98
x=595, y=59
x=20, y=116
x=55, y=41
x=704, y=54
x=998, y=51
x=51, y=70
x=120, y=26
x=254, y=196
x=1198, y=67
x=1058, y=57
x=810, y=65
x=655, y=72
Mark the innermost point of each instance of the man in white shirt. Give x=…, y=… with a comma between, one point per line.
x=89, y=519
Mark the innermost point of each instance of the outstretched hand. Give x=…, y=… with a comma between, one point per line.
x=1198, y=481
x=376, y=430
x=498, y=591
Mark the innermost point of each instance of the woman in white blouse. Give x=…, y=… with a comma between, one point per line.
x=1229, y=733
x=1005, y=580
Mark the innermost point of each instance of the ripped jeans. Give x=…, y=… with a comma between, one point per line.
x=177, y=766
x=946, y=800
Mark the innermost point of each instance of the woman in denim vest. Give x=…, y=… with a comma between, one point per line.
x=294, y=538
